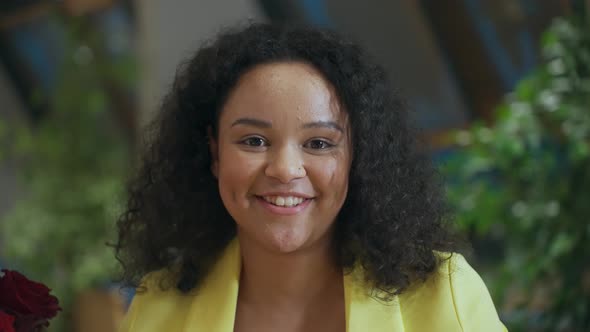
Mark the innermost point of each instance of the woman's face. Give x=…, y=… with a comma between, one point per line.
x=282, y=156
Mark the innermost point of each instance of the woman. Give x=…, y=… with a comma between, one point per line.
x=282, y=191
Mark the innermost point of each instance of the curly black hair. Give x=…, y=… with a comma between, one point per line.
x=393, y=222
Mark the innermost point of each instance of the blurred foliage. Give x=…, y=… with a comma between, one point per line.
x=524, y=182
x=72, y=163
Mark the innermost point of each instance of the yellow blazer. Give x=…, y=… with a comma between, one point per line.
x=454, y=299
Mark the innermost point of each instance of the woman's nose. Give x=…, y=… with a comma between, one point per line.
x=285, y=165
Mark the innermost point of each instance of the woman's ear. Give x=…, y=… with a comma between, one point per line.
x=213, y=149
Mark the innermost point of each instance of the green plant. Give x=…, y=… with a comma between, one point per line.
x=72, y=163
x=525, y=182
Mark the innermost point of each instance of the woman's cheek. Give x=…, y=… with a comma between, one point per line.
x=333, y=176
x=340, y=172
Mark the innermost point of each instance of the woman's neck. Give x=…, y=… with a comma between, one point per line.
x=296, y=279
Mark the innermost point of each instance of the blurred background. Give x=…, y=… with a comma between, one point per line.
x=500, y=88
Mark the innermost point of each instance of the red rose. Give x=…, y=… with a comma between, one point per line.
x=26, y=298
x=6, y=322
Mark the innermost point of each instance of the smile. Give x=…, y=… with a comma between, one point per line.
x=284, y=205
x=285, y=201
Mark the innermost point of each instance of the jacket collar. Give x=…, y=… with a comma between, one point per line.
x=214, y=306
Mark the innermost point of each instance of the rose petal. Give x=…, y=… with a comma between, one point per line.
x=6, y=322
x=25, y=297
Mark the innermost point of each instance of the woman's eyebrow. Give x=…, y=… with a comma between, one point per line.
x=323, y=124
x=252, y=122
x=265, y=124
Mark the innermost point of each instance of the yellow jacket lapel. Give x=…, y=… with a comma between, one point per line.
x=364, y=313
x=214, y=306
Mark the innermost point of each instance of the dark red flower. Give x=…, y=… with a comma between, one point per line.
x=26, y=298
x=6, y=322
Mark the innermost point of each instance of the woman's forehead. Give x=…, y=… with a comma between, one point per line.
x=288, y=89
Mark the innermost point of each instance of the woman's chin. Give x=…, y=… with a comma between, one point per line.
x=279, y=238
x=284, y=241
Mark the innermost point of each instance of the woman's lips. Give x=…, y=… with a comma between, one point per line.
x=283, y=210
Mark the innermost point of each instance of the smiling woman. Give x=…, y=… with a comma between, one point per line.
x=281, y=141
x=283, y=190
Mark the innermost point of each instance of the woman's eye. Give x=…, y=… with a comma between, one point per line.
x=254, y=141
x=318, y=144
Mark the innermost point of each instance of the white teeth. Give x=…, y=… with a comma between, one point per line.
x=288, y=201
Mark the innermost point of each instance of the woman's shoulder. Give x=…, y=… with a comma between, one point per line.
x=156, y=303
x=455, y=295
